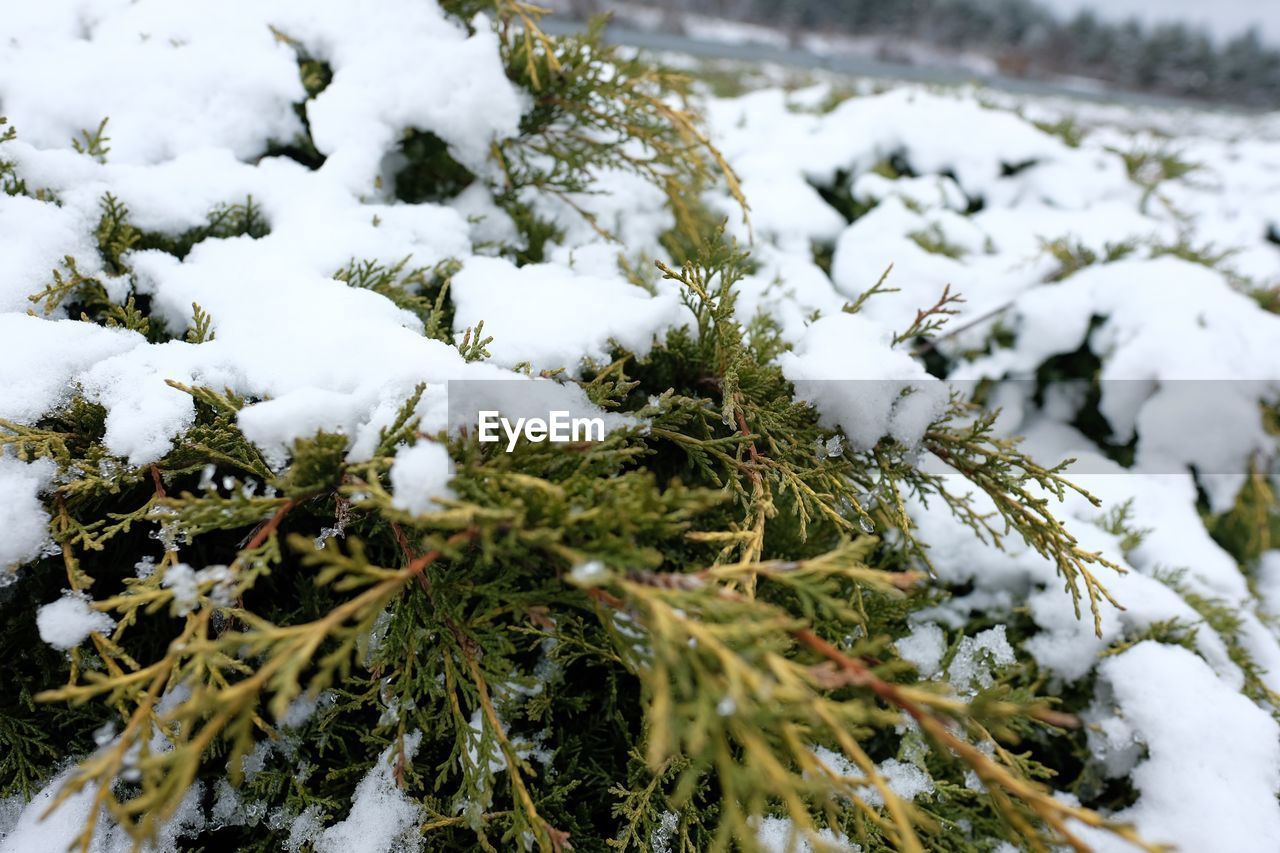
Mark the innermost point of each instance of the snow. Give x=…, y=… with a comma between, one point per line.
x=149, y=54
x=381, y=50
x=1205, y=744
x=43, y=356
x=1267, y=579
x=549, y=320
x=843, y=364
x=22, y=517
x=907, y=781
x=167, y=83
x=171, y=169
x=305, y=829
x=924, y=647
x=186, y=583
x=787, y=287
x=1186, y=357
x=68, y=622
x=34, y=238
x=420, y=477
x=382, y=818
x=56, y=832
x=1161, y=504
x=864, y=130
x=971, y=667
x=589, y=573
x=1187, y=360
x=779, y=835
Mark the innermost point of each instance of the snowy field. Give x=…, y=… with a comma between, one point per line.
x=1146, y=240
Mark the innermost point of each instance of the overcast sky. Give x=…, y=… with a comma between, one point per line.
x=1224, y=18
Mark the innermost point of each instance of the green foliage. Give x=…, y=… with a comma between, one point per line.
x=115, y=235
x=242, y=219
x=472, y=343
x=423, y=291
x=34, y=738
x=1073, y=256
x=711, y=571
x=839, y=195
x=315, y=74
x=1252, y=526
x=1224, y=619
x=1206, y=256
x=73, y=286
x=201, y=328
x=88, y=296
x=1151, y=166
x=1066, y=128
x=1118, y=522
x=588, y=99
x=430, y=173
x=1267, y=297
x=935, y=242
x=599, y=644
x=93, y=143
x=10, y=182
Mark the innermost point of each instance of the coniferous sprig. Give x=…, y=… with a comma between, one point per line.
x=773, y=455
x=595, y=111
x=670, y=623
x=1008, y=476
x=241, y=219
x=73, y=286
x=10, y=183
x=422, y=290
x=93, y=143
x=746, y=692
x=115, y=234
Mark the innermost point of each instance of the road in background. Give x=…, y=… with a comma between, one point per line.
x=857, y=66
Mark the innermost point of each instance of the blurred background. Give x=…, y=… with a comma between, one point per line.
x=1224, y=51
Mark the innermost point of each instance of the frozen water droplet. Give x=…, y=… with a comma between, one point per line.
x=867, y=525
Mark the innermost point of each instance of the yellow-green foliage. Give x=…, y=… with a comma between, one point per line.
x=674, y=617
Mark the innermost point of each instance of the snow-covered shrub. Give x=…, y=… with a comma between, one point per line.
x=262, y=590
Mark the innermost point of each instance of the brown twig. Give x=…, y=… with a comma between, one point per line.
x=272, y=523
x=155, y=478
x=932, y=318
x=997, y=778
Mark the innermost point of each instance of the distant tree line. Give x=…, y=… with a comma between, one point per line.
x=1028, y=39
